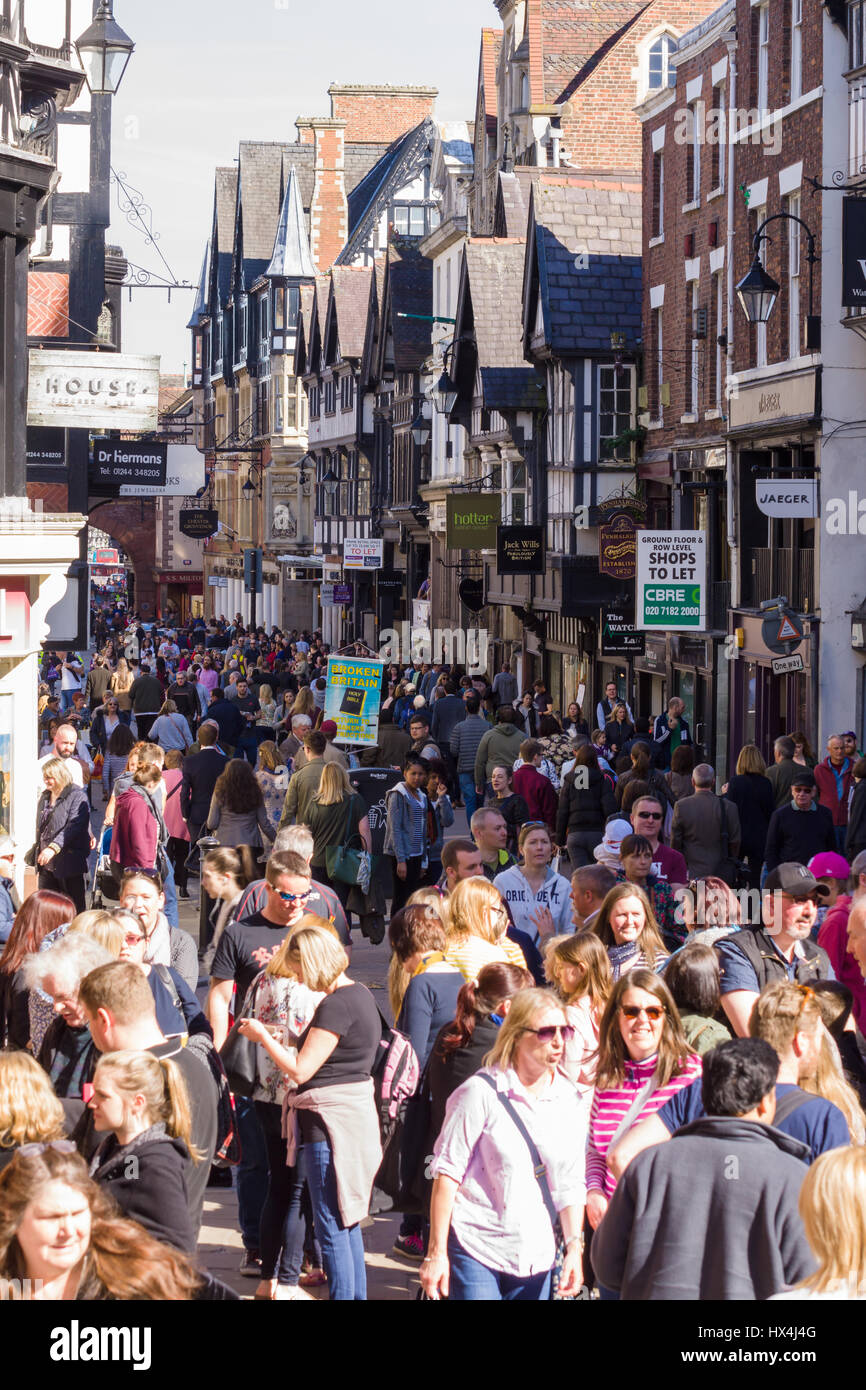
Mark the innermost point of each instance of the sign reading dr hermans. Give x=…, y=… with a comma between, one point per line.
x=93, y=390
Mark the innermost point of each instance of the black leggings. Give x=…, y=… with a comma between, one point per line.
x=416, y=876
x=178, y=851
x=287, y=1212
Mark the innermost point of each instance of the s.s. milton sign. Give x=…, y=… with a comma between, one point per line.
x=93, y=390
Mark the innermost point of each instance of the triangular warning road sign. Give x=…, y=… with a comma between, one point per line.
x=787, y=632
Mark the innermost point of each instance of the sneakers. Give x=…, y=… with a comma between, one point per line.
x=410, y=1247
x=251, y=1265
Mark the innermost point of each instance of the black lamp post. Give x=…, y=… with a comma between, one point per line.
x=446, y=393
x=757, y=291
x=330, y=483
x=104, y=51
x=420, y=430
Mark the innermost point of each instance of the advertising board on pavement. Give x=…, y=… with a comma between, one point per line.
x=352, y=698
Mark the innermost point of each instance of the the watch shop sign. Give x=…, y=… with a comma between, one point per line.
x=93, y=390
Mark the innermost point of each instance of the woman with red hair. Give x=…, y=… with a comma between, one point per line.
x=43, y=912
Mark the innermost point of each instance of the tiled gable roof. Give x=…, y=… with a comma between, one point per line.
x=494, y=283
x=491, y=47
x=572, y=33
x=350, y=290
x=601, y=221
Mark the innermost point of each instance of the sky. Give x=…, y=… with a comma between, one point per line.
x=207, y=74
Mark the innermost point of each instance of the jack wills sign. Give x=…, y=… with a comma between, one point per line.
x=520, y=550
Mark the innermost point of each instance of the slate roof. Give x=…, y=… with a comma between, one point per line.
x=409, y=289
x=292, y=256
x=492, y=281
x=511, y=206
x=201, y=306
x=350, y=292
x=225, y=198
x=582, y=306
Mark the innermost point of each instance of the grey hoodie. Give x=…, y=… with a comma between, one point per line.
x=738, y=1181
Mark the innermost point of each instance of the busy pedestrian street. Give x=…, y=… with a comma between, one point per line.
x=432, y=674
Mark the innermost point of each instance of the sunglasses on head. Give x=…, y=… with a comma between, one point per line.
x=62, y=1146
x=653, y=1013
x=550, y=1030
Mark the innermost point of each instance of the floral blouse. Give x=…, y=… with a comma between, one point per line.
x=289, y=1006
x=274, y=786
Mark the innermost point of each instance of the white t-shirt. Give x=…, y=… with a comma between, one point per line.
x=68, y=679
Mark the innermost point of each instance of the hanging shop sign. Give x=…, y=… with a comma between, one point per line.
x=671, y=580
x=93, y=390
x=390, y=581
x=782, y=631
x=472, y=520
x=199, y=525
x=471, y=593
x=352, y=698
x=520, y=550
x=135, y=462
x=46, y=454
x=619, y=636
x=784, y=497
x=853, y=253
x=362, y=554
x=184, y=475
x=617, y=547
x=344, y=595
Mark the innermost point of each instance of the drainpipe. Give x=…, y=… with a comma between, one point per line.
x=731, y=44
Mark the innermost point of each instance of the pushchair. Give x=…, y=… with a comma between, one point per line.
x=104, y=888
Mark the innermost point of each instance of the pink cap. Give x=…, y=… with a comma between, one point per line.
x=829, y=865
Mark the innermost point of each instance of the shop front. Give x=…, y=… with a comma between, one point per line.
x=180, y=595
x=768, y=696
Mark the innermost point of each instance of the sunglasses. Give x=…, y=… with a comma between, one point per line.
x=653, y=1013
x=650, y=815
x=294, y=897
x=61, y=1146
x=549, y=1032
x=130, y=940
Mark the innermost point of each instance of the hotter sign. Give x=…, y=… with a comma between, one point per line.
x=671, y=580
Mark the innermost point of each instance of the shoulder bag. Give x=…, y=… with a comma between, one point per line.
x=346, y=865
x=239, y=1055
x=539, y=1168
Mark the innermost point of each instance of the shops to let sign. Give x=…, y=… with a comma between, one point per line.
x=671, y=580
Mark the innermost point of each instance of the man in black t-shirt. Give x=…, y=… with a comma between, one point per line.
x=243, y=951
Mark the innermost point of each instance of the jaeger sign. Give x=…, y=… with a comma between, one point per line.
x=93, y=390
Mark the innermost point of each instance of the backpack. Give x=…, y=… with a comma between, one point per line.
x=395, y=1073
x=228, y=1146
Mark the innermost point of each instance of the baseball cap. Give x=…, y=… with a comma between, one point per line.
x=829, y=865
x=803, y=779
x=328, y=728
x=796, y=881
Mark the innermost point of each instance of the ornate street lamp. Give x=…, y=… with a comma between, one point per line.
x=420, y=430
x=446, y=393
x=104, y=51
x=757, y=291
x=330, y=482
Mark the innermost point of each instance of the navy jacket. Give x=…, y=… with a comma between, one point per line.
x=68, y=825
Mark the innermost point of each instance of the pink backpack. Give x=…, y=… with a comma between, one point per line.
x=396, y=1074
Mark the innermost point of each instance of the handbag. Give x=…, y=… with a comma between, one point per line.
x=733, y=872
x=352, y=866
x=239, y=1055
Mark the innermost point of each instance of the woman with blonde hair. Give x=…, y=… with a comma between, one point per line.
x=304, y=703
x=337, y=815
x=627, y=928
x=833, y=1208
x=333, y=1125
x=120, y=686
x=752, y=793
x=141, y=1101
x=285, y=1007
x=492, y=1220
x=103, y=926
x=267, y=707
x=272, y=776
x=829, y=1081
x=579, y=971
x=170, y=728
x=477, y=921
x=30, y=1112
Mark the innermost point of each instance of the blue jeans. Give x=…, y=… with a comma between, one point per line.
x=65, y=700
x=473, y=1282
x=468, y=794
x=342, y=1246
x=170, y=891
x=252, y=1172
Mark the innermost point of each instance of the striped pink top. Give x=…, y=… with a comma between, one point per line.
x=610, y=1107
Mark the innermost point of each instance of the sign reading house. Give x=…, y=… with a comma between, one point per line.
x=93, y=390
x=130, y=461
x=199, y=524
x=520, y=550
x=472, y=520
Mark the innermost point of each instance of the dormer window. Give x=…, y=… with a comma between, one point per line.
x=660, y=71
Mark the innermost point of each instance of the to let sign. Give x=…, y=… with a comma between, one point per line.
x=93, y=390
x=362, y=554
x=520, y=550
x=671, y=580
